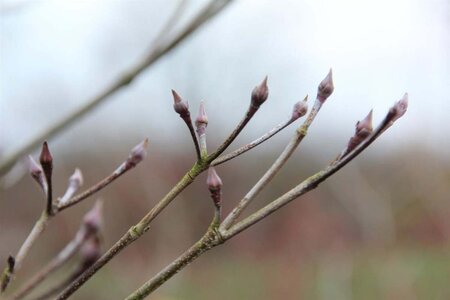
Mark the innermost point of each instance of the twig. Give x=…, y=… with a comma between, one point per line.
x=300, y=133
x=89, y=227
x=259, y=96
x=38, y=228
x=181, y=107
x=155, y=53
x=299, y=110
x=135, y=231
x=217, y=236
x=68, y=252
x=310, y=183
x=208, y=241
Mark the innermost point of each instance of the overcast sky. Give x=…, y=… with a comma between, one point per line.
x=55, y=55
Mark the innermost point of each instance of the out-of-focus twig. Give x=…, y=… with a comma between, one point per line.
x=157, y=51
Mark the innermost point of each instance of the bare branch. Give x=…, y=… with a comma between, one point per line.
x=299, y=110
x=324, y=91
x=159, y=50
x=310, y=183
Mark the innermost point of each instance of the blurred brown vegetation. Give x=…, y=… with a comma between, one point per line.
x=379, y=229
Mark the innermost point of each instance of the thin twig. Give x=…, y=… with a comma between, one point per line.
x=310, y=183
x=224, y=158
x=217, y=236
x=122, y=169
x=68, y=252
x=300, y=133
x=154, y=54
x=135, y=231
x=38, y=228
x=208, y=241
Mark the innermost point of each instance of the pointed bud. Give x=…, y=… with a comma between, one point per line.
x=364, y=127
x=214, y=185
x=46, y=160
x=181, y=107
x=300, y=109
x=76, y=180
x=90, y=252
x=213, y=181
x=137, y=154
x=325, y=88
x=399, y=108
x=202, y=118
x=260, y=93
x=36, y=172
x=93, y=219
x=362, y=131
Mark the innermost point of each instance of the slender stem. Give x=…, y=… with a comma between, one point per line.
x=135, y=231
x=210, y=10
x=123, y=168
x=68, y=252
x=300, y=133
x=248, y=115
x=224, y=158
x=38, y=228
x=310, y=183
x=208, y=241
x=194, y=139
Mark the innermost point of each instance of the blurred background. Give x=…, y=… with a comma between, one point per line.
x=378, y=229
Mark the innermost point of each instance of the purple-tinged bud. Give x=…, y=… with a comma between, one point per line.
x=93, y=219
x=399, y=108
x=46, y=160
x=214, y=185
x=300, y=109
x=213, y=181
x=36, y=172
x=90, y=252
x=362, y=130
x=260, y=93
x=76, y=180
x=326, y=87
x=364, y=127
x=202, y=118
x=137, y=154
x=181, y=107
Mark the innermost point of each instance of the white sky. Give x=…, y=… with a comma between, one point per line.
x=54, y=55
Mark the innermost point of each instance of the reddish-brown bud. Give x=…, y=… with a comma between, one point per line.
x=138, y=153
x=260, y=93
x=202, y=118
x=181, y=107
x=93, y=219
x=326, y=87
x=300, y=109
x=46, y=161
x=399, y=108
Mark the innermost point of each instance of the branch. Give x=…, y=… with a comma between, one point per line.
x=89, y=227
x=135, y=231
x=325, y=89
x=259, y=95
x=154, y=55
x=313, y=181
x=136, y=155
x=299, y=110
